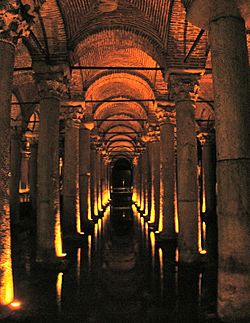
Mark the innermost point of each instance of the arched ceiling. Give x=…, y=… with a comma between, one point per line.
x=119, y=52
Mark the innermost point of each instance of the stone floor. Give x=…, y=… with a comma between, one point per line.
x=119, y=274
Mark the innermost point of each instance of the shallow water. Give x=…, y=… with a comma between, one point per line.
x=119, y=274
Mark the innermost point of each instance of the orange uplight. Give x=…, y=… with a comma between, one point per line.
x=176, y=217
x=152, y=240
x=6, y=280
x=78, y=217
x=58, y=237
x=15, y=304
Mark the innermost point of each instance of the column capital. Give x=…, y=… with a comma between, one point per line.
x=206, y=138
x=184, y=87
x=52, y=80
x=202, y=12
x=32, y=139
x=72, y=116
x=88, y=122
x=16, y=19
x=165, y=116
x=153, y=133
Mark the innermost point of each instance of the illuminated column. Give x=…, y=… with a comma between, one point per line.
x=144, y=180
x=149, y=186
x=70, y=218
x=33, y=141
x=155, y=176
x=84, y=171
x=51, y=81
x=184, y=89
x=139, y=175
x=98, y=180
x=135, y=176
x=141, y=184
x=167, y=124
x=15, y=164
x=12, y=27
x=93, y=179
x=227, y=38
x=209, y=193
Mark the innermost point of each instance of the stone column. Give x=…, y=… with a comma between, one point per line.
x=70, y=218
x=145, y=182
x=15, y=167
x=209, y=216
x=135, y=176
x=52, y=81
x=227, y=38
x=13, y=26
x=184, y=89
x=84, y=169
x=155, y=176
x=25, y=159
x=141, y=184
x=93, y=178
x=144, y=179
x=167, y=156
x=149, y=181
x=33, y=172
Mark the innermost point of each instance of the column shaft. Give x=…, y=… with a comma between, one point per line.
x=7, y=51
x=84, y=177
x=167, y=179
x=187, y=181
x=70, y=180
x=15, y=161
x=231, y=87
x=33, y=175
x=209, y=197
x=48, y=217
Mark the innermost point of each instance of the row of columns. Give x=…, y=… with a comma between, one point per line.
x=165, y=173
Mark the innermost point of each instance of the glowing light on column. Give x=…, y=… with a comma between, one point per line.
x=6, y=279
x=58, y=236
x=176, y=217
x=89, y=250
x=89, y=199
x=78, y=217
x=152, y=240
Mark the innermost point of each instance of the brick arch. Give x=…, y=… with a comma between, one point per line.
x=132, y=109
x=150, y=16
x=118, y=85
x=49, y=29
x=115, y=39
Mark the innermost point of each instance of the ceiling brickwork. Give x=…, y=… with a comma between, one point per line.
x=116, y=34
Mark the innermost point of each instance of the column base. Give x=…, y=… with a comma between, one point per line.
x=146, y=217
x=88, y=226
x=56, y=264
x=152, y=226
x=164, y=238
x=234, y=296
x=74, y=238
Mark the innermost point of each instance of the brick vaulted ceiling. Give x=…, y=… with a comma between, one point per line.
x=113, y=33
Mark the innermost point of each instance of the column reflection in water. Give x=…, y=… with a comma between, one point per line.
x=129, y=277
x=59, y=291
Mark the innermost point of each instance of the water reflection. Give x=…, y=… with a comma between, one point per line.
x=118, y=274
